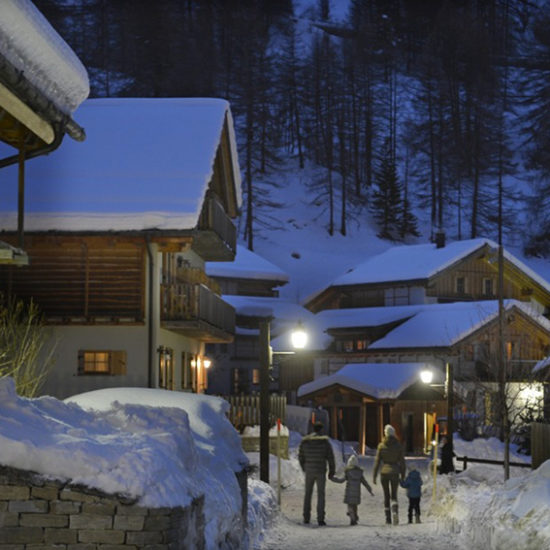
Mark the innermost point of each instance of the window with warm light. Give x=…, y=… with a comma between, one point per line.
x=255, y=376
x=99, y=362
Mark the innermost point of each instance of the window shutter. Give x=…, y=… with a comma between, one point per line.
x=80, y=361
x=118, y=362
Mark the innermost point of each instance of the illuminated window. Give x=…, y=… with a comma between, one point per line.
x=362, y=345
x=509, y=350
x=255, y=376
x=101, y=362
x=348, y=346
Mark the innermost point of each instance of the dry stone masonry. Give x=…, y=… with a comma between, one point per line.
x=39, y=514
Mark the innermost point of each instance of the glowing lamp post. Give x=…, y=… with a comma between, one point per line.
x=426, y=376
x=299, y=341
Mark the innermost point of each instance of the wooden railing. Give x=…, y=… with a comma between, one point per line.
x=214, y=219
x=245, y=409
x=196, y=302
x=466, y=459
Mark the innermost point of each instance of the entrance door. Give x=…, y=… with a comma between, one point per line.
x=408, y=431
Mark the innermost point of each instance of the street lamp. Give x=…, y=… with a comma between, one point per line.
x=426, y=376
x=299, y=341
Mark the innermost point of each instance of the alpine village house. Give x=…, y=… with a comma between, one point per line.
x=415, y=307
x=117, y=232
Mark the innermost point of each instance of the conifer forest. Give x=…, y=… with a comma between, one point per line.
x=415, y=111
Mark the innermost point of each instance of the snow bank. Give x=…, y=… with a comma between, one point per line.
x=164, y=448
x=484, y=511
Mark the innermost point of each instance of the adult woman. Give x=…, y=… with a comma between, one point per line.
x=390, y=454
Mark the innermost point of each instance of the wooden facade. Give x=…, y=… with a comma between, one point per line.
x=472, y=278
x=82, y=279
x=355, y=416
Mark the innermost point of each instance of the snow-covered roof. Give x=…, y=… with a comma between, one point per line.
x=423, y=326
x=146, y=164
x=378, y=380
x=285, y=314
x=247, y=265
x=443, y=325
x=33, y=47
x=422, y=261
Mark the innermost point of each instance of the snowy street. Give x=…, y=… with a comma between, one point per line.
x=288, y=532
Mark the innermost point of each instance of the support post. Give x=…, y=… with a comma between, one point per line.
x=264, y=400
x=450, y=405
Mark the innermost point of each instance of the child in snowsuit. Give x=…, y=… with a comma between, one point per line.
x=353, y=477
x=413, y=484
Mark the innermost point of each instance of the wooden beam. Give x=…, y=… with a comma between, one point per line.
x=15, y=107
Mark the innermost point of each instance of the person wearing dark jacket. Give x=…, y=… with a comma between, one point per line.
x=315, y=454
x=390, y=454
x=413, y=484
x=447, y=464
x=353, y=478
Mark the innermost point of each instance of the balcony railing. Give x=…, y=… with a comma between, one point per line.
x=194, y=310
x=216, y=237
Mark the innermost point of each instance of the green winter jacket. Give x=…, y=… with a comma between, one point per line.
x=314, y=453
x=390, y=453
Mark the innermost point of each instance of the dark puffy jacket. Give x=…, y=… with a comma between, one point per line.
x=314, y=453
x=413, y=484
x=353, y=477
x=390, y=452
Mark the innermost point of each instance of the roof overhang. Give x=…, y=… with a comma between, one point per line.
x=11, y=255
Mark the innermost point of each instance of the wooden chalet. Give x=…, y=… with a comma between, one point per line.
x=433, y=304
x=249, y=284
x=118, y=234
x=361, y=398
x=432, y=273
x=41, y=83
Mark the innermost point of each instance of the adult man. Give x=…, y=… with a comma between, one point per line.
x=314, y=454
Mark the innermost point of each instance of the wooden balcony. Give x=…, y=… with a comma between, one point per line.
x=196, y=311
x=215, y=238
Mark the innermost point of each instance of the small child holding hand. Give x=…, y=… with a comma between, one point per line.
x=413, y=484
x=353, y=477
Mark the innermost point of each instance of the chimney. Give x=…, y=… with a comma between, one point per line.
x=440, y=239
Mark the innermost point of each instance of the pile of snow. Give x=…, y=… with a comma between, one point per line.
x=480, y=509
x=163, y=448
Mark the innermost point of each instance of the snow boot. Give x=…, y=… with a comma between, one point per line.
x=394, y=513
x=388, y=515
x=417, y=518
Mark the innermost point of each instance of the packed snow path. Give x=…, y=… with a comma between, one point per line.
x=289, y=533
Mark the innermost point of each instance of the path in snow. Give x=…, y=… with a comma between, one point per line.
x=288, y=532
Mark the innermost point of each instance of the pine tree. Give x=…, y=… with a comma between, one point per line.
x=386, y=204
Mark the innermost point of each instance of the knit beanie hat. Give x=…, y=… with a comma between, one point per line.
x=352, y=462
x=389, y=430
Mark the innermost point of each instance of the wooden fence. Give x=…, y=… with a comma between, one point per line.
x=245, y=409
x=540, y=443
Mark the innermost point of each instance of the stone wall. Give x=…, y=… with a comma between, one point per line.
x=40, y=514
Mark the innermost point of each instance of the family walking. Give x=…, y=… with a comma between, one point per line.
x=316, y=457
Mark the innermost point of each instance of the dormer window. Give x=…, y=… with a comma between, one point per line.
x=488, y=287
x=460, y=285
